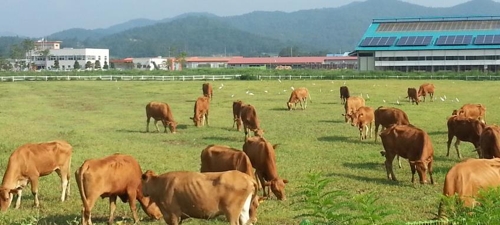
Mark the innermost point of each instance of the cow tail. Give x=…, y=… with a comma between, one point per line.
x=79, y=181
x=310, y=99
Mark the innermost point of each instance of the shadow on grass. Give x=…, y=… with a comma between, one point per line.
x=281, y=109
x=333, y=138
x=437, y=132
x=136, y=131
x=332, y=121
x=68, y=219
x=191, y=100
x=218, y=138
x=379, y=180
x=366, y=165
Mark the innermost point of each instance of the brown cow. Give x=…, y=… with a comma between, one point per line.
x=185, y=194
x=207, y=90
x=344, y=94
x=490, y=142
x=410, y=143
x=465, y=129
x=466, y=178
x=114, y=176
x=426, y=88
x=412, y=96
x=219, y=158
x=261, y=154
x=201, y=108
x=298, y=95
x=236, y=114
x=352, y=105
x=160, y=111
x=363, y=118
x=475, y=111
x=31, y=161
x=248, y=116
x=387, y=116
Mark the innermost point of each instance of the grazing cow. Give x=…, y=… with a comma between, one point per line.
x=468, y=177
x=363, y=118
x=387, y=116
x=31, y=161
x=248, y=116
x=261, y=154
x=465, y=129
x=475, y=111
x=219, y=158
x=207, y=90
x=201, y=107
x=352, y=105
x=413, y=96
x=490, y=142
x=236, y=114
x=426, y=88
x=410, y=143
x=160, y=112
x=114, y=176
x=298, y=95
x=344, y=94
x=185, y=194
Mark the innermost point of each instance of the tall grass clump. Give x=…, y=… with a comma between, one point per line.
x=486, y=210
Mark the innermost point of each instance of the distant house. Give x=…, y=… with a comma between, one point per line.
x=328, y=62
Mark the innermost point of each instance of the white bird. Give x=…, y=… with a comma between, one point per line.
x=220, y=87
x=383, y=100
x=374, y=85
x=367, y=96
x=331, y=90
x=314, y=84
x=265, y=91
x=397, y=102
x=247, y=92
x=284, y=90
x=232, y=95
x=442, y=99
x=250, y=93
x=319, y=90
x=361, y=95
x=279, y=80
x=444, y=96
x=332, y=82
x=292, y=88
x=456, y=99
x=344, y=82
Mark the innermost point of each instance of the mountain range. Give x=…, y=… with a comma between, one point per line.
x=308, y=32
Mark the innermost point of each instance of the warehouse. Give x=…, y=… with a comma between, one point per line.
x=431, y=44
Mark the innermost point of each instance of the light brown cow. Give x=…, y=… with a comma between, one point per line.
x=344, y=94
x=237, y=114
x=465, y=129
x=413, y=96
x=261, y=154
x=160, y=111
x=207, y=90
x=298, y=95
x=248, y=116
x=31, y=161
x=185, y=194
x=466, y=178
x=113, y=176
x=410, y=143
x=201, y=108
x=363, y=119
x=387, y=116
x=490, y=142
x=352, y=105
x=219, y=158
x=425, y=89
x=475, y=111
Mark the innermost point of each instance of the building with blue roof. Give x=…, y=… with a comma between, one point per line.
x=431, y=44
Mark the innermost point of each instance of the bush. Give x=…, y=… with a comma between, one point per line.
x=487, y=211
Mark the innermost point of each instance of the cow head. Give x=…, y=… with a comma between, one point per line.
x=455, y=112
x=277, y=186
x=6, y=196
x=289, y=105
x=258, y=132
x=172, y=125
x=149, y=207
x=145, y=179
x=356, y=118
x=347, y=116
x=197, y=120
x=256, y=200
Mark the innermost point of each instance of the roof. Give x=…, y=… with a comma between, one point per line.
x=432, y=33
x=210, y=59
x=125, y=60
x=287, y=60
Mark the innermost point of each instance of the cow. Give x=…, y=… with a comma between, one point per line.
x=475, y=111
x=160, y=111
x=410, y=143
x=352, y=104
x=186, y=194
x=236, y=114
x=298, y=95
x=201, y=108
x=426, y=88
x=219, y=158
x=263, y=158
x=465, y=129
x=207, y=90
x=467, y=178
x=413, y=96
x=31, y=161
x=386, y=116
x=363, y=118
x=490, y=142
x=248, y=116
x=344, y=94
x=117, y=175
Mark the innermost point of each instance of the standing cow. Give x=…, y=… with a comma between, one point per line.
x=387, y=116
x=248, y=116
x=31, y=161
x=344, y=94
x=490, y=142
x=465, y=129
x=352, y=105
x=237, y=114
x=298, y=95
x=201, y=108
x=425, y=89
x=363, y=119
x=413, y=96
x=160, y=111
x=474, y=111
x=207, y=90
x=114, y=176
x=219, y=158
x=410, y=143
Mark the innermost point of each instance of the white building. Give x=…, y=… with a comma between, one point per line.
x=68, y=56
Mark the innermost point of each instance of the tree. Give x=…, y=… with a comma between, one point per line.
x=169, y=64
x=27, y=46
x=88, y=65
x=112, y=65
x=16, y=52
x=139, y=65
x=290, y=52
x=45, y=53
x=76, y=65
x=181, y=59
x=56, y=64
x=105, y=65
x=97, y=64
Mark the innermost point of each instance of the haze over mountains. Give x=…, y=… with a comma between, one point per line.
x=318, y=31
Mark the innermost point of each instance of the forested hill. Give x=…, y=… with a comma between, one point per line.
x=317, y=32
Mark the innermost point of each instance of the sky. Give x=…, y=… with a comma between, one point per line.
x=36, y=18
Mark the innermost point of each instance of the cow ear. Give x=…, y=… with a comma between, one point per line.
x=275, y=146
x=285, y=181
x=361, y=115
x=343, y=114
x=191, y=118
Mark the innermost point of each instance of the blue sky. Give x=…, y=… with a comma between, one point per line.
x=36, y=18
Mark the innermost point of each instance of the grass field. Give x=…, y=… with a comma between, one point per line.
x=101, y=118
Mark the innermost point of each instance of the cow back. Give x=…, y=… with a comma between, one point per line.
x=425, y=88
x=159, y=111
x=219, y=158
x=465, y=129
x=298, y=94
x=262, y=156
x=207, y=90
x=490, y=142
x=408, y=142
x=249, y=117
x=344, y=92
x=353, y=103
x=387, y=116
x=237, y=108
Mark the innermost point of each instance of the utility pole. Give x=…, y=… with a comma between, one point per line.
x=291, y=51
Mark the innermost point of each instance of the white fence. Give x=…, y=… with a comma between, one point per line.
x=121, y=77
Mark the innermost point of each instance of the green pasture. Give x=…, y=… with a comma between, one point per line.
x=100, y=118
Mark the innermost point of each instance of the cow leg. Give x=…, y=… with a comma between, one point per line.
x=112, y=207
x=305, y=103
x=156, y=125
x=87, y=209
x=34, y=189
x=244, y=217
x=147, y=124
x=399, y=161
x=429, y=167
x=18, y=200
x=413, y=170
x=260, y=177
x=432, y=96
x=448, y=143
x=64, y=182
x=206, y=117
x=457, y=143
x=389, y=157
x=132, y=196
